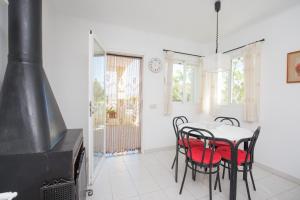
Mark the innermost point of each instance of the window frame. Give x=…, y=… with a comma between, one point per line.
x=194, y=82
x=230, y=85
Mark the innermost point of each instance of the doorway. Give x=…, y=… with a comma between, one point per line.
x=123, y=104
x=115, y=91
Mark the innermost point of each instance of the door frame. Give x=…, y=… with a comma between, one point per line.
x=92, y=172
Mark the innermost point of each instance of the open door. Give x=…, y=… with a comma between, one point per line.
x=97, y=111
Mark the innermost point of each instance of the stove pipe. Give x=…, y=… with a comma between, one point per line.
x=30, y=119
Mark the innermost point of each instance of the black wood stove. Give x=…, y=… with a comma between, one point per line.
x=39, y=157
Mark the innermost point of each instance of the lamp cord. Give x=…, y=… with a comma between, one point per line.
x=217, y=35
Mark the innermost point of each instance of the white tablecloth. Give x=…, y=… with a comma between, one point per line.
x=219, y=130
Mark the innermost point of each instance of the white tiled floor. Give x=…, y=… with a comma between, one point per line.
x=149, y=177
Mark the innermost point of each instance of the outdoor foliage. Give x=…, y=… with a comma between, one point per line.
x=178, y=78
x=231, y=84
x=99, y=93
x=183, y=83
x=238, y=81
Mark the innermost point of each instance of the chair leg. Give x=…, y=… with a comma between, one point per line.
x=244, y=173
x=210, y=186
x=251, y=175
x=173, y=162
x=176, y=165
x=217, y=181
x=224, y=168
x=247, y=185
x=183, y=180
x=193, y=172
x=229, y=171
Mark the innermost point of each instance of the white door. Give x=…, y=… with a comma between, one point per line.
x=97, y=108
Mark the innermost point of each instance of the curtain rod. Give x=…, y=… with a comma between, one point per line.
x=124, y=56
x=188, y=54
x=262, y=40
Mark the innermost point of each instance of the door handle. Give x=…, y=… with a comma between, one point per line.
x=92, y=110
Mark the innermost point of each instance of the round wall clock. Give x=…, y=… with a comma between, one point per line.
x=155, y=65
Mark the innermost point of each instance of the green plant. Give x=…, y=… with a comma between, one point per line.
x=110, y=110
x=112, y=113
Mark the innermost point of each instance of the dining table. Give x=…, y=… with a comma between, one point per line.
x=227, y=133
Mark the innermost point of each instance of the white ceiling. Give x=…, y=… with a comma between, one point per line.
x=187, y=19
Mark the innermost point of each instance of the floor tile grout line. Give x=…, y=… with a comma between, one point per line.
x=163, y=164
x=139, y=195
x=282, y=192
x=177, y=184
x=161, y=188
x=127, y=171
x=151, y=175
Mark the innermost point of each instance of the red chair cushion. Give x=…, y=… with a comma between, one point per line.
x=219, y=143
x=226, y=155
x=197, y=155
x=193, y=142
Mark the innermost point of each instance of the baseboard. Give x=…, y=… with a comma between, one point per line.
x=263, y=166
x=278, y=173
x=159, y=149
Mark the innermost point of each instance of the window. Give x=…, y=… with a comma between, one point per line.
x=231, y=84
x=185, y=83
x=237, y=81
x=223, y=87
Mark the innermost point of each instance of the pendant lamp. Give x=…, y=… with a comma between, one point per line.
x=218, y=61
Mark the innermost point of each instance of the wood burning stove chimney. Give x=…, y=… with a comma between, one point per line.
x=30, y=117
x=39, y=157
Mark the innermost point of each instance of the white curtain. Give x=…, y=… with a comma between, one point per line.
x=169, y=61
x=252, y=61
x=208, y=95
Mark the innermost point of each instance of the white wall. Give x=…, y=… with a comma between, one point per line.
x=279, y=139
x=65, y=52
x=3, y=40
x=66, y=64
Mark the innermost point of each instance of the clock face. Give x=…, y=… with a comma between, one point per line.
x=155, y=65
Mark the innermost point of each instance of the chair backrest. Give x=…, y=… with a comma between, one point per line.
x=252, y=142
x=177, y=121
x=228, y=120
x=205, y=136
